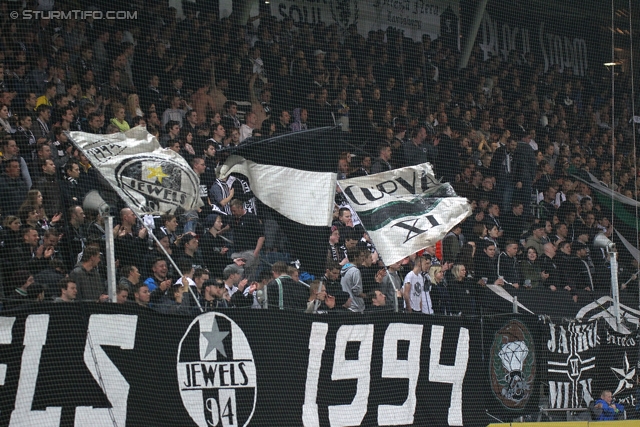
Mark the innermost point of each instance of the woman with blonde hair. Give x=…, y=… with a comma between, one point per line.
x=118, y=120
x=133, y=107
x=440, y=295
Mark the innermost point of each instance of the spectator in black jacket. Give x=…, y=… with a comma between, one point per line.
x=507, y=265
x=72, y=193
x=514, y=223
x=331, y=281
x=582, y=273
x=14, y=189
x=525, y=167
x=448, y=161
x=486, y=262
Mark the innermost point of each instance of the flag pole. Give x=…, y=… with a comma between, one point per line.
x=395, y=291
x=173, y=263
x=111, y=262
x=68, y=134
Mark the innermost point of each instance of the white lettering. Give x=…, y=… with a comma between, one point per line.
x=450, y=374
x=551, y=342
x=35, y=337
x=228, y=414
x=317, y=342
x=566, y=53
x=586, y=391
x=6, y=336
x=116, y=330
x=558, y=394
x=392, y=415
x=343, y=369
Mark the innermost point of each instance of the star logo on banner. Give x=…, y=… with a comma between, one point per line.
x=214, y=339
x=625, y=375
x=157, y=172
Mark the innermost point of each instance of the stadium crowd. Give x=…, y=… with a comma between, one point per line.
x=505, y=134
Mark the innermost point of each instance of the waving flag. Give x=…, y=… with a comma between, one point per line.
x=623, y=210
x=404, y=210
x=302, y=196
x=293, y=175
x=150, y=179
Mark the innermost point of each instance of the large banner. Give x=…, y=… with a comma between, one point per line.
x=107, y=364
x=556, y=43
x=586, y=358
x=413, y=17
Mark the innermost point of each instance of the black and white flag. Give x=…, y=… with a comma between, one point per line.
x=404, y=210
x=150, y=179
x=303, y=196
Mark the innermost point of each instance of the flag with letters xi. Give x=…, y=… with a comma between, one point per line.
x=404, y=210
x=150, y=179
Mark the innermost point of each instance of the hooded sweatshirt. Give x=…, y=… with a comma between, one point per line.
x=351, y=283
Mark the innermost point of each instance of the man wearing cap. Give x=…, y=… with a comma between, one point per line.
x=213, y=297
x=248, y=237
x=240, y=294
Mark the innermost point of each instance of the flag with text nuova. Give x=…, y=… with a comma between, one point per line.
x=404, y=210
x=150, y=179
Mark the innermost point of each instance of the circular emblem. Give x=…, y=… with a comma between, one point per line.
x=157, y=184
x=512, y=365
x=216, y=372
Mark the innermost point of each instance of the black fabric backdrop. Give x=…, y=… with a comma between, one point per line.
x=280, y=347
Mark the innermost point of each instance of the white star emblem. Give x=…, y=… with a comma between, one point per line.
x=625, y=375
x=214, y=339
